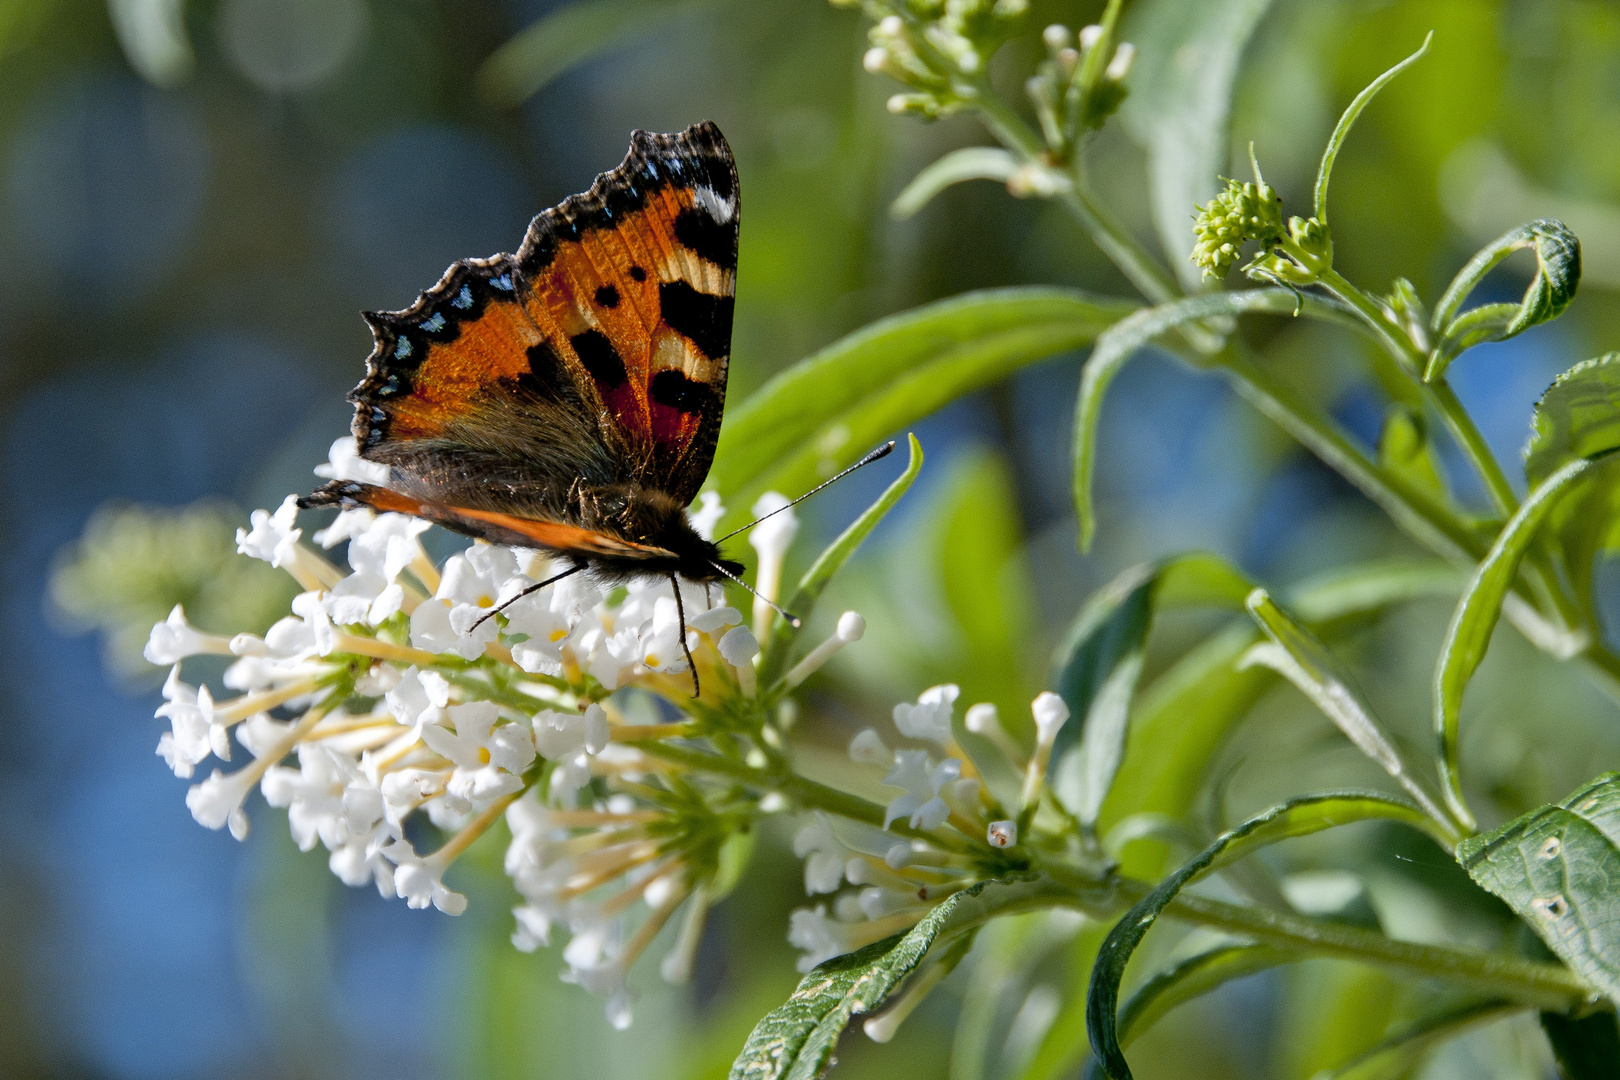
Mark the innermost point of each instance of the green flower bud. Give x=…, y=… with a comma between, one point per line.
x=1243, y=212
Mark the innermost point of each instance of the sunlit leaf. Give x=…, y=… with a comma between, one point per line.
x=1469, y=633
x=1101, y=659
x=803, y=599
x=1556, y=867
x=1300, y=657
x=1298, y=817
x=567, y=37
x=826, y=411
x=1341, y=130
x=796, y=1040
x=1558, y=274
x=1578, y=416
x=1117, y=345
x=1181, y=95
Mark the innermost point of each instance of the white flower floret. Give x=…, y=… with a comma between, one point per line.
x=868, y=748
x=174, y=639
x=274, y=537
x=419, y=698
x=217, y=801
x=1002, y=834
x=595, y=965
x=327, y=798
x=771, y=538
x=851, y=628
x=190, y=739
x=380, y=548
x=930, y=718
x=419, y=881
x=821, y=938
x=707, y=515
x=823, y=853
x=490, y=757
x=1050, y=712
x=345, y=463
x=569, y=739
x=922, y=781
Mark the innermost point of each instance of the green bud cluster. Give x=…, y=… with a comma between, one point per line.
x=1243, y=212
x=1080, y=84
x=938, y=48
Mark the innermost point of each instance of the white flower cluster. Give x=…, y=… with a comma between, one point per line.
x=898, y=880
x=387, y=691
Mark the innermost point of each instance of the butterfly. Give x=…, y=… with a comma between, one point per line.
x=568, y=397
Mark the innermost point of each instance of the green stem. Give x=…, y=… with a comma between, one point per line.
x=1120, y=246
x=806, y=792
x=1461, y=425
x=1545, y=985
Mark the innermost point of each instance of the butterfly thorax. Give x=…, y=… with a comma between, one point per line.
x=647, y=518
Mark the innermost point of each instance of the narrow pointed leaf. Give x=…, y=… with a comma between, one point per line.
x=1341, y=131
x=1298, y=817
x=1556, y=867
x=830, y=561
x=1299, y=656
x=1101, y=659
x=1118, y=344
x=1469, y=634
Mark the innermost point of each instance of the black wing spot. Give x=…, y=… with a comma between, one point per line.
x=600, y=358
x=713, y=240
x=673, y=388
x=607, y=296
x=703, y=319
x=638, y=274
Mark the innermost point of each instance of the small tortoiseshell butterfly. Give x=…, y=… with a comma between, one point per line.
x=568, y=397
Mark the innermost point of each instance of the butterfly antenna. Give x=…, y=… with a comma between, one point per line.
x=680, y=613
x=490, y=614
x=792, y=620
x=881, y=452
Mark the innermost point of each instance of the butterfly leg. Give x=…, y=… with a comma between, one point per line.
x=490, y=614
x=680, y=613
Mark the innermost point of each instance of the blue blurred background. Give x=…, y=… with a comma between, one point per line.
x=196, y=199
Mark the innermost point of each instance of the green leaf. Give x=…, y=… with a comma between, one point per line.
x=1585, y=1048
x=1101, y=659
x=566, y=38
x=830, y=561
x=1404, y=449
x=1469, y=634
x=1341, y=131
x=824, y=412
x=968, y=163
x=1184, y=716
x=1187, y=59
x=1577, y=417
x=1297, y=817
x=1300, y=657
x=1117, y=344
x=1556, y=867
x=1191, y=978
x=1558, y=274
x=795, y=1041
x=1397, y=1056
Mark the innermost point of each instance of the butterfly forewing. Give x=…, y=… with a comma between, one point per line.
x=631, y=283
